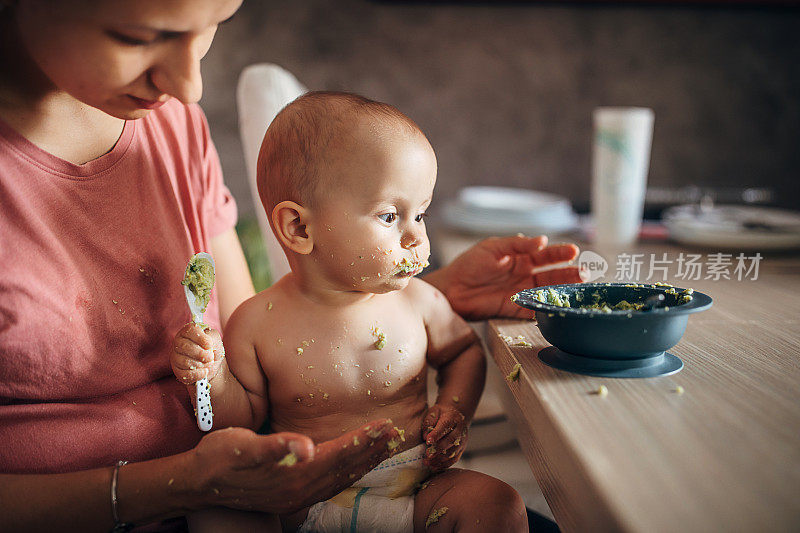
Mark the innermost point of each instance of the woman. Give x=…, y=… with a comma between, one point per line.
x=109, y=181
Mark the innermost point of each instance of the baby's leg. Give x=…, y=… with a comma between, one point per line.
x=230, y=520
x=474, y=502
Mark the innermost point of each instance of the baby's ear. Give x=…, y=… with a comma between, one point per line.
x=290, y=221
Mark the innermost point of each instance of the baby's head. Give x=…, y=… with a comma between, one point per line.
x=345, y=182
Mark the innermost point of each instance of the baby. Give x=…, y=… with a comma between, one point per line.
x=348, y=335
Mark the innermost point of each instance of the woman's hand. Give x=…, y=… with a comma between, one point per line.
x=444, y=430
x=243, y=470
x=479, y=283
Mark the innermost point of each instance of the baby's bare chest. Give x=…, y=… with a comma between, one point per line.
x=331, y=363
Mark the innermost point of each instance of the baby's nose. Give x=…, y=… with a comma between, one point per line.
x=412, y=239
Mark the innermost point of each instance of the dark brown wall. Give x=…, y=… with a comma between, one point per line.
x=505, y=92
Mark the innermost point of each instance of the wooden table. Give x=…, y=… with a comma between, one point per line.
x=722, y=456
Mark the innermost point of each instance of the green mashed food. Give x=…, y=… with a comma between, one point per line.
x=407, y=266
x=554, y=297
x=435, y=515
x=290, y=459
x=199, y=277
x=380, y=338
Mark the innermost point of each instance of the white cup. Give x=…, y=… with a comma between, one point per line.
x=621, y=157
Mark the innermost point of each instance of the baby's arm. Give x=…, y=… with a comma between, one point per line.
x=237, y=384
x=456, y=353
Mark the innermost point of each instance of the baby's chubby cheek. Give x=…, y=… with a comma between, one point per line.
x=372, y=264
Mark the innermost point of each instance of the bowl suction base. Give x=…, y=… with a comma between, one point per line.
x=648, y=367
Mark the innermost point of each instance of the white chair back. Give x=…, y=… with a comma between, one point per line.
x=263, y=90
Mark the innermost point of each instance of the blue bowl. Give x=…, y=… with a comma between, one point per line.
x=612, y=342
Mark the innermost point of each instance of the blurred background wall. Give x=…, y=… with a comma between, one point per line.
x=505, y=91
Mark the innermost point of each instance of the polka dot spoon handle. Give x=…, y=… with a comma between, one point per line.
x=203, y=412
x=205, y=417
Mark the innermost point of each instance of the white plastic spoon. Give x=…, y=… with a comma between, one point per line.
x=205, y=416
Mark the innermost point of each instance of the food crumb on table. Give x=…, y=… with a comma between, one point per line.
x=602, y=391
x=519, y=340
x=514, y=374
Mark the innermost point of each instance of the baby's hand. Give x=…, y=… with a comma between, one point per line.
x=196, y=353
x=444, y=430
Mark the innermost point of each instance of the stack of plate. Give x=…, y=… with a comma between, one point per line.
x=738, y=227
x=505, y=211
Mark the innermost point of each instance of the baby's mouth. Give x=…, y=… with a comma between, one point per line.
x=409, y=267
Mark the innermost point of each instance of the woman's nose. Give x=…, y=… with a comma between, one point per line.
x=178, y=73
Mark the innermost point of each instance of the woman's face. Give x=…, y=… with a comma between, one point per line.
x=124, y=57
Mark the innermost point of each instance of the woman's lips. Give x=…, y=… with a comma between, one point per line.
x=141, y=103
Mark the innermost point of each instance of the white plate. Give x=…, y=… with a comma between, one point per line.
x=460, y=216
x=734, y=227
x=508, y=199
x=542, y=216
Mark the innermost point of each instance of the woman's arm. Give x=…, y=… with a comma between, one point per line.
x=232, y=467
x=233, y=281
x=81, y=501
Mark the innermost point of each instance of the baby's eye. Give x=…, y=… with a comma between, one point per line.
x=420, y=217
x=388, y=217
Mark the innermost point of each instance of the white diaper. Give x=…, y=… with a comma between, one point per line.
x=382, y=500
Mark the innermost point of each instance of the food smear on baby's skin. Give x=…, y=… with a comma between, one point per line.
x=394, y=443
x=435, y=515
x=199, y=277
x=380, y=338
x=409, y=266
x=375, y=433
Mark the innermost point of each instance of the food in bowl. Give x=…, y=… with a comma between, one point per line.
x=596, y=299
x=607, y=329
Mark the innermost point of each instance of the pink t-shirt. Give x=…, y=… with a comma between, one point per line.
x=92, y=258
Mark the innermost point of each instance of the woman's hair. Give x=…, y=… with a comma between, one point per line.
x=302, y=140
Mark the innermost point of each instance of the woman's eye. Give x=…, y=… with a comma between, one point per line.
x=388, y=217
x=127, y=39
x=420, y=217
